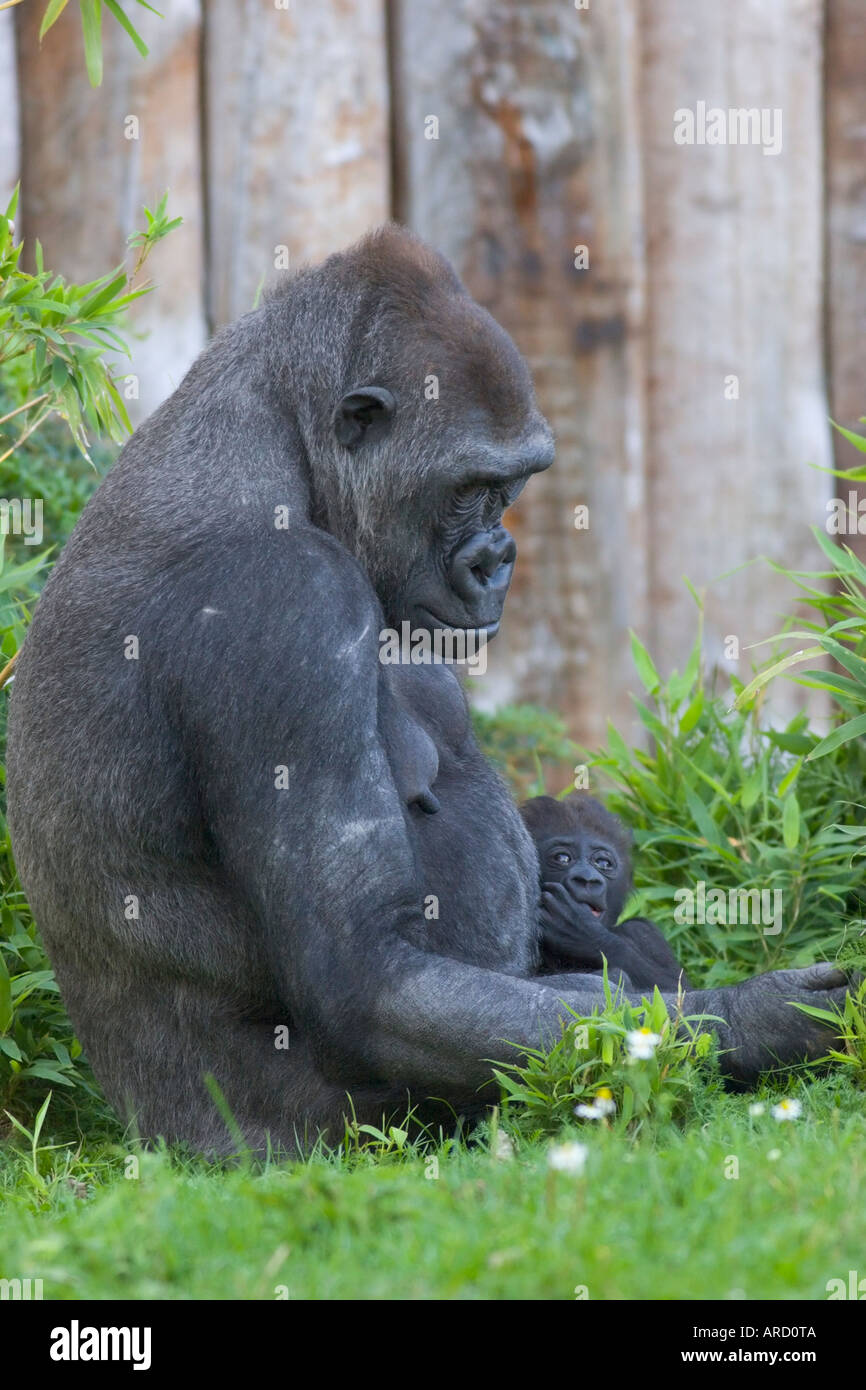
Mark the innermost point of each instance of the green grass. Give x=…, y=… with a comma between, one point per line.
x=647, y=1220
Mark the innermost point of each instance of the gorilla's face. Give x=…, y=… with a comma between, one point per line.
x=462, y=572
x=440, y=556
x=586, y=849
x=592, y=869
x=442, y=468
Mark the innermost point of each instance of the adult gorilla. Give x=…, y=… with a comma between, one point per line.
x=227, y=812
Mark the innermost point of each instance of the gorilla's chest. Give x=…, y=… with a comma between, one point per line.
x=477, y=866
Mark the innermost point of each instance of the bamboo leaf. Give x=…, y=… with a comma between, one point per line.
x=126, y=23
x=5, y=997
x=52, y=13
x=790, y=778
x=852, y=663
x=647, y=672
x=858, y=440
x=692, y=714
x=852, y=728
x=91, y=28
x=764, y=677
x=791, y=821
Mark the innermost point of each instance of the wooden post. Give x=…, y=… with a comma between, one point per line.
x=845, y=106
x=9, y=151
x=296, y=104
x=737, y=405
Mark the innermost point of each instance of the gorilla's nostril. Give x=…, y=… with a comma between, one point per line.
x=482, y=563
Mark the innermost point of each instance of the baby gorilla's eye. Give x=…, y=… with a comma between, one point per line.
x=561, y=857
x=605, y=862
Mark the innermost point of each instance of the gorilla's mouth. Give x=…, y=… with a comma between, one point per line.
x=432, y=620
x=593, y=907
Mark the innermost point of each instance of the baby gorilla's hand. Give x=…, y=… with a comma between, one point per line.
x=569, y=929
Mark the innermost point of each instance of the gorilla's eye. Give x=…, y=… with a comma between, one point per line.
x=560, y=857
x=604, y=861
x=469, y=494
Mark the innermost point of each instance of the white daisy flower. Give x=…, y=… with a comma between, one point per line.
x=757, y=1107
x=642, y=1043
x=787, y=1110
x=604, y=1101
x=604, y=1104
x=567, y=1158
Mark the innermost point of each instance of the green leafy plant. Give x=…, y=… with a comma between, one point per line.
x=54, y=335
x=37, y=1045
x=541, y=1093
x=719, y=798
x=48, y=466
x=527, y=743
x=850, y=1022
x=839, y=634
x=91, y=28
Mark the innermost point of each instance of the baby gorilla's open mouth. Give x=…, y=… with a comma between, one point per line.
x=591, y=907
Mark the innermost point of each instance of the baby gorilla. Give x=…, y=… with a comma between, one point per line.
x=584, y=854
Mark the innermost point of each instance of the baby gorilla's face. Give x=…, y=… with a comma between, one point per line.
x=584, y=856
x=590, y=869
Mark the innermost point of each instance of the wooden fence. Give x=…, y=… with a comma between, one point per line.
x=692, y=312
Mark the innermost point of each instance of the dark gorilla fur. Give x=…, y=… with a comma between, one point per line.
x=191, y=904
x=582, y=898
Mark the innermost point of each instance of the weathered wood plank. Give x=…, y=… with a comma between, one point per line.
x=297, y=138
x=9, y=150
x=845, y=183
x=735, y=292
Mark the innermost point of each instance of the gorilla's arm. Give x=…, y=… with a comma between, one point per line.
x=327, y=866
x=759, y=1028
x=651, y=960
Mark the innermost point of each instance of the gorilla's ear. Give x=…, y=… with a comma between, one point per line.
x=363, y=416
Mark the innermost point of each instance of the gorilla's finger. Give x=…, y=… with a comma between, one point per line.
x=554, y=905
x=822, y=976
x=557, y=891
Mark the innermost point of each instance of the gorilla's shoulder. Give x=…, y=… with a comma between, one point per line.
x=295, y=595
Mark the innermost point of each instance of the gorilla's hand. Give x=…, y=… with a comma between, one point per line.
x=762, y=1029
x=569, y=930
